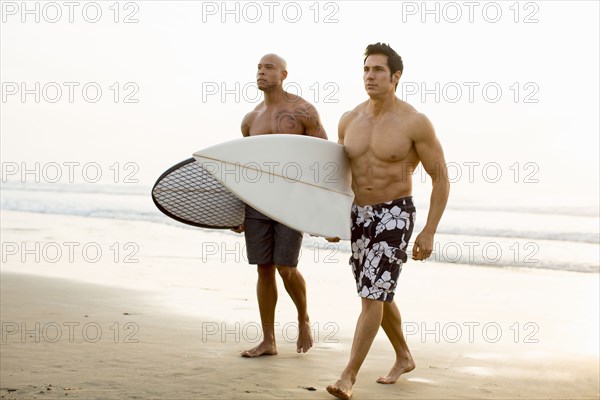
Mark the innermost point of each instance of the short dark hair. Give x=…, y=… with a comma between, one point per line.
x=393, y=59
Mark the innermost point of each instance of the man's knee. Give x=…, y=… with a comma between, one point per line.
x=287, y=273
x=266, y=271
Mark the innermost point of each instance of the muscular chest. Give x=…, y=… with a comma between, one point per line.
x=277, y=121
x=386, y=140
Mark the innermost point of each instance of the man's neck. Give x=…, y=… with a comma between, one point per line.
x=380, y=105
x=273, y=95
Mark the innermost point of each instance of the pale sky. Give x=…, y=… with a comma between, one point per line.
x=509, y=86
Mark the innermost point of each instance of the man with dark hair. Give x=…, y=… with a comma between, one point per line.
x=385, y=140
x=271, y=245
x=394, y=61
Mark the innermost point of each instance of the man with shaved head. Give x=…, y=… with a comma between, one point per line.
x=270, y=245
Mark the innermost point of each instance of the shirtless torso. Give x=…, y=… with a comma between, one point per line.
x=385, y=139
x=382, y=151
x=291, y=115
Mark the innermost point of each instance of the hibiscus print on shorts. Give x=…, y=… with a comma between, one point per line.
x=380, y=235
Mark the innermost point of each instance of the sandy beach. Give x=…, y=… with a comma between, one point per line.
x=111, y=309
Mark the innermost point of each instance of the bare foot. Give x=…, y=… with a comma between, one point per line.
x=342, y=389
x=399, y=368
x=305, y=338
x=263, y=349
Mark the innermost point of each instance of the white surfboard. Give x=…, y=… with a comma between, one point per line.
x=300, y=181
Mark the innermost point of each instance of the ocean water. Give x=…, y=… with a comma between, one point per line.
x=472, y=233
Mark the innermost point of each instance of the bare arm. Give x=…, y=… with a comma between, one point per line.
x=342, y=126
x=431, y=154
x=311, y=121
x=246, y=125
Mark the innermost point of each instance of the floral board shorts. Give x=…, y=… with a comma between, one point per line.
x=380, y=235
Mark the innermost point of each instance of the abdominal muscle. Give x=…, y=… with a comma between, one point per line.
x=375, y=181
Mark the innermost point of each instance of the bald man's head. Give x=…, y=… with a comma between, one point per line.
x=272, y=71
x=274, y=59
